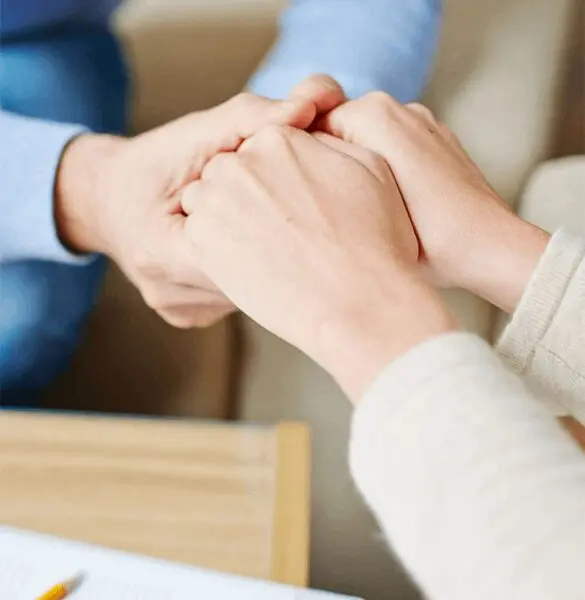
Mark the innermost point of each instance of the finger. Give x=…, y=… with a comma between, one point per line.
x=178, y=255
x=203, y=206
x=164, y=295
x=187, y=317
x=225, y=127
x=372, y=161
x=455, y=144
x=385, y=126
x=246, y=114
x=373, y=121
x=424, y=114
x=361, y=119
x=190, y=196
x=324, y=91
x=273, y=139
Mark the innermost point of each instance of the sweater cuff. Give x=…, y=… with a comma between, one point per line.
x=420, y=365
x=541, y=300
x=30, y=153
x=395, y=396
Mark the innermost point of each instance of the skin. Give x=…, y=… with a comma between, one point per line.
x=327, y=254
x=469, y=236
x=119, y=196
x=339, y=236
x=340, y=260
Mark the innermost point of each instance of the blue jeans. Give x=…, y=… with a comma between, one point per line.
x=73, y=74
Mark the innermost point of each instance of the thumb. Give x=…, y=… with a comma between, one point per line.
x=323, y=90
x=224, y=127
x=245, y=114
x=373, y=122
x=183, y=148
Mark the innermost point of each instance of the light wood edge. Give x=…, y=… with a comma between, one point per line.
x=291, y=525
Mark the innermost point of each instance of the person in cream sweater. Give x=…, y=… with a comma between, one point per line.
x=342, y=237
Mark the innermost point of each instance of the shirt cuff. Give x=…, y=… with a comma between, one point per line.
x=30, y=152
x=541, y=300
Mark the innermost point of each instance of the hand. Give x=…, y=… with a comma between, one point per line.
x=309, y=237
x=469, y=236
x=119, y=196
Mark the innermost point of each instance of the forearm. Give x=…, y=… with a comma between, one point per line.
x=364, y=44
x=502, y=262
x=358, y=340
x=517, y=267
x=478, y=489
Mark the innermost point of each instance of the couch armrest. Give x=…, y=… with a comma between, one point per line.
x=497, y=79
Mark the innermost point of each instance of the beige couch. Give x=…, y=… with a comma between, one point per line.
x=495, y=83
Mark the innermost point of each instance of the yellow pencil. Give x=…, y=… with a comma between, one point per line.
x=63, y=589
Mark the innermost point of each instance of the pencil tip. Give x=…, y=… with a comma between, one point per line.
x=72, y=584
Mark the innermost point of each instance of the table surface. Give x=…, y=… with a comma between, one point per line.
x=230, y=497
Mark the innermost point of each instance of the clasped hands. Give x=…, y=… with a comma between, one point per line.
x=333, y=240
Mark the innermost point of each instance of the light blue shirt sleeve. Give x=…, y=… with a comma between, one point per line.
x=30, y=150
x=365, y=44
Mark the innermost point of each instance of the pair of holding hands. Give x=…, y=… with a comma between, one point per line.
x=329, y=239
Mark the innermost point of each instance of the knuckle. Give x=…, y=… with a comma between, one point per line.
x=244, y=100
x=422, y=110
x=188, y=198
x=225, y=161
x=378, y=99
x=376, y=161
x=198, y=317
x=145, y=264
x=152, y=297
x=273, y=135
x=446, y=132
x=176, y=320
x=211, y=316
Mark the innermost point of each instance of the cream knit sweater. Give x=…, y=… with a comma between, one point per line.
x=478, y=489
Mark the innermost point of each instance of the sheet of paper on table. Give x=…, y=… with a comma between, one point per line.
x=31, y=563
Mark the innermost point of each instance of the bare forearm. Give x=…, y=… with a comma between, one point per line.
x=359, y=340
x=501, y=269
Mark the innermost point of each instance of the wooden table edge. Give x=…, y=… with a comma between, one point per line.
x=291, y=528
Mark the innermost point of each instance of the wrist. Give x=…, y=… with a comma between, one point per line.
x=357, y=342
x=77, y=196
x=504, y=264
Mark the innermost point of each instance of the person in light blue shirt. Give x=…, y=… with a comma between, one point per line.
x=63, y=74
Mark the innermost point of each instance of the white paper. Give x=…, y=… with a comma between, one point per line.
x=30, y=564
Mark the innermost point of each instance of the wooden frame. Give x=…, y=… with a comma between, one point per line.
x=227, y=496
x=290, y=558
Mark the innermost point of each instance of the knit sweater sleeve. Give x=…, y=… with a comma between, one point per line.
x=545, y=339
x=477, y=488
